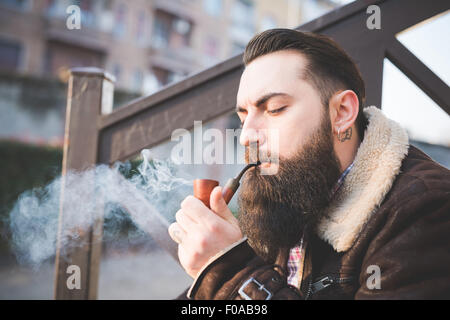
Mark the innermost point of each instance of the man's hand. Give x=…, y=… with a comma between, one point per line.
x=201, y=233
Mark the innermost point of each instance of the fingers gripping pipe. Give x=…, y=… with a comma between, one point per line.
x=204, y=187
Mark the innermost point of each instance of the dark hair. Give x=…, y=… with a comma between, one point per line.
x=329, y=67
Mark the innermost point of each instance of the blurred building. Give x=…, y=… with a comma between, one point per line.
x=146, y=44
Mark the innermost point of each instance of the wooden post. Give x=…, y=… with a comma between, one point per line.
x=90, y=95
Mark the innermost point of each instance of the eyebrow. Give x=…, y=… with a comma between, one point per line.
x=262, y=100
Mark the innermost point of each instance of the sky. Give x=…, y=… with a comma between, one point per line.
x=402, y=100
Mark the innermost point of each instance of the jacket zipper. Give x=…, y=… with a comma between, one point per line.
x=325, y=282
x=308, y=293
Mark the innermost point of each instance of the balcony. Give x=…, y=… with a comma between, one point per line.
x=87, y=37
x=171, y=39
x=181, y=8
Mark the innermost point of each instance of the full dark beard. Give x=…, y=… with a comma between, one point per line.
x=275, y=210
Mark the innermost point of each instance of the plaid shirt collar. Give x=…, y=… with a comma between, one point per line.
x=341, y=179
x=296, y=254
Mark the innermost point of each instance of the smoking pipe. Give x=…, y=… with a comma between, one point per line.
x=204, y=187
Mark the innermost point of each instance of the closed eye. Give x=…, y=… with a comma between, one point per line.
x=277, y=110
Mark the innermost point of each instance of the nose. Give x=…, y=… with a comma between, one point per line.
x=253, y=131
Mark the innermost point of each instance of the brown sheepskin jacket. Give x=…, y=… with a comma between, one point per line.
x=386, y=234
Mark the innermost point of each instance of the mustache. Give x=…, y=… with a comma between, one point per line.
x=253, y=156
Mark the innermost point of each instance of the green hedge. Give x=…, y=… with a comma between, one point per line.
x=23, y=167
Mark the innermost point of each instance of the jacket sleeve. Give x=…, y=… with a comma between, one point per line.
x=238, y=273
x=410, y=256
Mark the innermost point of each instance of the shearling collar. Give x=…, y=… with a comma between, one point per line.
x=376, y=165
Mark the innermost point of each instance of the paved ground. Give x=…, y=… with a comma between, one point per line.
x=130, y=275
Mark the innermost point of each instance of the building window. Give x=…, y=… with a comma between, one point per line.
x=242, y=26
x=91, y=10
x=120, y=21
x=140, y=28
x=9, y=56
x=55, y=8
x=87, y=13
x=213, y=7
x=179, y=37
x=138, y=79
x=16, y=4
x=170, y=31
x=161, y=29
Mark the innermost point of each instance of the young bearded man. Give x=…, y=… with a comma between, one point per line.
x=353, y=211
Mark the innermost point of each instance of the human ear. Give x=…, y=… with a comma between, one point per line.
x=344, y=108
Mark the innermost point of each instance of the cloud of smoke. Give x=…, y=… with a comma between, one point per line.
x=132, y=199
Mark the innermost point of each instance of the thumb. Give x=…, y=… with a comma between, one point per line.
x=219, y=206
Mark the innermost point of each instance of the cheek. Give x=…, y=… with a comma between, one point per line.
x=290, y=142
x=294, y=130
